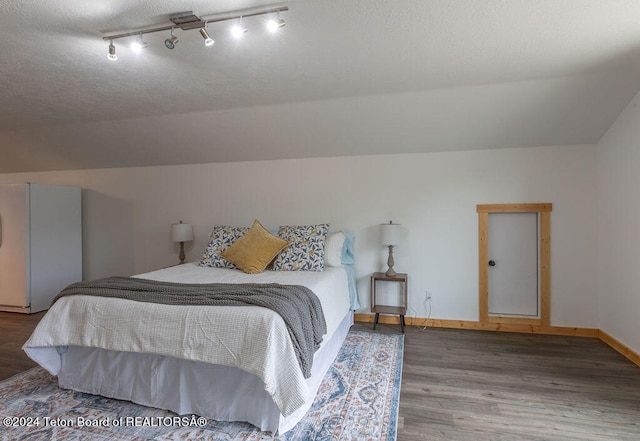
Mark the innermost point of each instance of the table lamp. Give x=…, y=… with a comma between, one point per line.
x=181, y=233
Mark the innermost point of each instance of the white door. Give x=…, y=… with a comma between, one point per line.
x=513, y=264
x=13, y=246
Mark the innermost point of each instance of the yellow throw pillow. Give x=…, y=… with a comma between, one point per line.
x=255, y=250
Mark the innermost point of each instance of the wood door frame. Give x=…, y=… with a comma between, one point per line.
x=544, y=265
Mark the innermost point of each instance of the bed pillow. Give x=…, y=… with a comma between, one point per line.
x=222, y=237
x=255, y=250
x=333, y=249
x=306, y=248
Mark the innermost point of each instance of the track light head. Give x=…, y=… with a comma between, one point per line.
x=274, y=25
x=112, y=52
x=139, y=45
x=136, y=47
x=238, y=30
x=208, y=41
x=171, y=42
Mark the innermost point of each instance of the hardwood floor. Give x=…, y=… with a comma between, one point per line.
x=479, y=386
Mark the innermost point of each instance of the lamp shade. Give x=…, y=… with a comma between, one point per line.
x=390, y=233
x=181, y=232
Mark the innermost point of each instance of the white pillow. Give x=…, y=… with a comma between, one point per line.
x=333, y=249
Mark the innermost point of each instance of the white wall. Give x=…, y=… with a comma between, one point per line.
x=127, y=213
x=619, y=228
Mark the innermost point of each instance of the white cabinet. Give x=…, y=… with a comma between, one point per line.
x=40, y=244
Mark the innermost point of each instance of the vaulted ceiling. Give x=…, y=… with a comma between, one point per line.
x=344, y=77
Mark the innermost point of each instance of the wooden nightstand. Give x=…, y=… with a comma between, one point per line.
x=385, y=309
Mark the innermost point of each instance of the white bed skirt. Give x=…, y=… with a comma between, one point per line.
x=191, y=387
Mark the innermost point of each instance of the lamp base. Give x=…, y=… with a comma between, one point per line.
x=182, y=255
x=390, y=272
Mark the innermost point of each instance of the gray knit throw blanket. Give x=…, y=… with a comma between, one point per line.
x=297, y=305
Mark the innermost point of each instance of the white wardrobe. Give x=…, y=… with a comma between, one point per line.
x=40, y=244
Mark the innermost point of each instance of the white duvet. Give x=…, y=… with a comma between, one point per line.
x=252, y=338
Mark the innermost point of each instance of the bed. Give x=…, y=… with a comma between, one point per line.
x=228, y=363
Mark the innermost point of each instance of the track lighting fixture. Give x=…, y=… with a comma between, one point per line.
x=187, y=21
x=208, y=41
x=238, y=30
x=112, y=52
x=171, y=42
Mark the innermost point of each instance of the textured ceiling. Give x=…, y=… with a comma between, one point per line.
x=345, y=77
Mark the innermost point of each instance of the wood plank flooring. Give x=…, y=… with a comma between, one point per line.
x=479, y=386
x=15, y=329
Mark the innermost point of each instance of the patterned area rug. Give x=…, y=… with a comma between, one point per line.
x=357, y=400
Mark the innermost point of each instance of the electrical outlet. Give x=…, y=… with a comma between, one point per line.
x=428, y=296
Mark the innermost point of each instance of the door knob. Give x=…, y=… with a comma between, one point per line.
x=492, y=263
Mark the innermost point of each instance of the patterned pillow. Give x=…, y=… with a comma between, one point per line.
x=222, y=237
x=306, y=248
